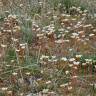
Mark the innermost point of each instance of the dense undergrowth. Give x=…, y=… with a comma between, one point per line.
x=47, y=48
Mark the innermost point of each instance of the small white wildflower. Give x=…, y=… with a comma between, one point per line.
x=9, y=31
x=76, y=63
x=70, y=49
x=64, y=59
x=69, y=28
x=44, y=57
x=88, y=60
x=9, y=92
x=17, y=50
x=75, y=67
x=91, y=35
x=66, y=31
x=72, y=36
x=86, y=26
x=78, y=56
x=83, y=36
x=8, y=65
x=48, y=82
x=66, y=40
x=55, y=60
x=28, y=73
x=53, y=57
x=14, y=39
x=73, y=19
x=40, y=35
x=94, y=30
x=63, y=85
x=74, y=76
x=14, y=73
x=59, y=41
x=85, y=11
x=45, y=90
x=4, y=46
x=21, y=5
x=72, y=59
x=23, y=44
x=21, y=94
x=83, y=64
x=69, y=87
x=95, y=85
x=4, y=88
x=67, y=72
x=61, y=29
x=70, y=65
x=75, y=34
x=55, y=17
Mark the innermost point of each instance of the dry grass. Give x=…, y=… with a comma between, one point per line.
x=48, y=49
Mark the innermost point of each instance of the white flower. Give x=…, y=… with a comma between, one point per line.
x=78, y=56
x=40, y=35
x=48, y=82
x=65, y=20
x=67, y=72
x=44, y=57
x=91, y=35
x=66, y=31
x=4, y=88
x=83, y=36
x=14, y=73
x=9, y=31
x=70, y=65
x=63, y=14
x=74, y=76
x=59, y=41
x=75, y=68
x=8, y=65
x=23, y=47
x=23, y=44
x=80, y=32
x=75, y=34
x=45, y=90
x=9, y=92
x=70, y=49
x=95, y=85
x=53, y=57
x=21, y=5
x=17, y=50
x=12, y=16
x=28, y=73
x=66, y=40
x=14, y=39
x=73, y=19
x=67, y=15
x=83, y=64
x=76, y=63
x=38, y=29
x=86, y=26
x=88, y=60
x=63, y=85
x=85, y=11
x=55, y=60
x=61, y=29
x=94, y=30
x=30, y=94
x=4, y=46
x=69, y=87
x=64, y=59
x=72, y=59
x=72, y=36
x=55, y=17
